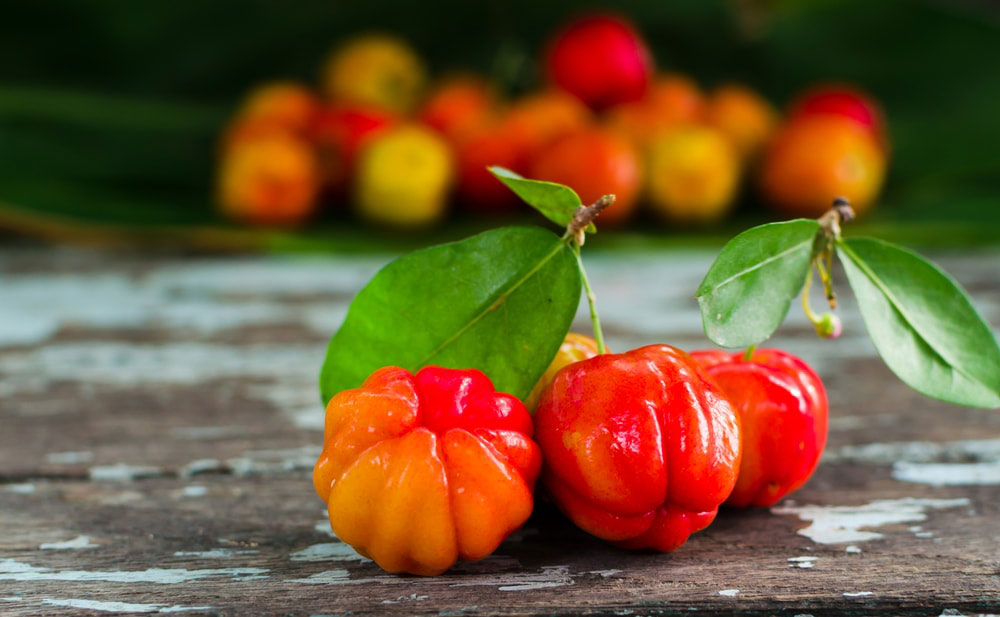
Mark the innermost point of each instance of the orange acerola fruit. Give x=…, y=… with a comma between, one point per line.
x=282, y=106
x=478, y=189
x=537, y=120
x=419, y=471
x=271, y=180
x=575, y=347
x=815, y=159
x=594, y=162
x=459, y=105
x=671, y=100
x=744, y=116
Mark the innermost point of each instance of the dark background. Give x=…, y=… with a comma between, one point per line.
x=110, y=110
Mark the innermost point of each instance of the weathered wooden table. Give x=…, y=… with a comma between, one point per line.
x=159, y=420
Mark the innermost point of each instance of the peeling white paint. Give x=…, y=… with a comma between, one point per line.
x=729, y=593
x=605, y=573
x=121, y=607
x=13, y=570
x=548, y=576
x=410, y=598
x=323, y=527
x=802, y=562
x=278, y=461
x=328, y=551
x=948, y=474
x=122, y=472
x=216, y=553
x=69, y=458
x=857, y=594
x=976, y=450
x=841, y=524
x=20, y=489
x=852, y=550
x=194, y=490
x=201, y=465
x=343, y=577
x=11, y=599
x=77, y=543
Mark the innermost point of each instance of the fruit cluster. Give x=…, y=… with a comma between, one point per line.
x=640, y=449
x=606, y=121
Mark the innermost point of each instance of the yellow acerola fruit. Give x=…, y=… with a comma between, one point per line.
x=375, y=70
x=403, y=177
x=575, y=347
x=693, y=174
x=269, y=180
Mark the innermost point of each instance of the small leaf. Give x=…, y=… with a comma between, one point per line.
x=922, y=323
x=555, y=201
x=747, y=291
x=501, y=302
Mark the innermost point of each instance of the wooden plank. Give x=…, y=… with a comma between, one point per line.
x=159, y=417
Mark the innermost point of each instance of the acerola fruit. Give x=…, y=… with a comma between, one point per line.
x=270, y=180
x=692, y=174
x=459, y=105
x=783, y=411
x=419, y=471
x=671, y=101
x=746, y=118
x=340, y=131
x=845, y=101
x=601, y=59
x=276, y=107
x=403, y=177
x=375, y=69
x=575, y=347
x=815, y=159
x=640, y=448
x=594, y=162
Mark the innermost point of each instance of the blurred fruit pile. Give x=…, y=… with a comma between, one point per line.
x=402, y=150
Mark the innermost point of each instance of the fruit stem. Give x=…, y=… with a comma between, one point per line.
x=591, y=300
x=748, y=356
x=576, y=235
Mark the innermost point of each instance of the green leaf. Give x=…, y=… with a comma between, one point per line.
x=556, y=202
x=922, y=323
x=747, y=291
x=500, y=301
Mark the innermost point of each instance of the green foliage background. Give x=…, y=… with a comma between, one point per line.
x=109, y=111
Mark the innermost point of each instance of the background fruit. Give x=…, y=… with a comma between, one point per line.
x=375, y=70
x=594, y=162
x=692, y=174
x=814, y=159
x=403, y=177
x=744, y=116
x=671, y=100
x=271, y=180
x=459, y=105
x=845, y=101
x=339, y=132
x=601, y=59
x=536, y=120
x=478, y=189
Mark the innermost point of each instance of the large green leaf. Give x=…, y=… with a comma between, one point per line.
x=555, y=201
x=501, y=302
x=922, y=323
x=747, y=291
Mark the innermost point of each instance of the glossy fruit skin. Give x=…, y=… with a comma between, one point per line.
x=375, y=69
x=693, y=173
x=601, y=59
x=270, y=179
x=814, y=159
x=640, y=448
x=403, y=177
x=594, y=162
x=783, y=411
x=575, y=348
x=744, y=116
x=845, y=101
x=419, y=471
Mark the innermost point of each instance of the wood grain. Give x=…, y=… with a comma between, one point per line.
x=159, y=420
